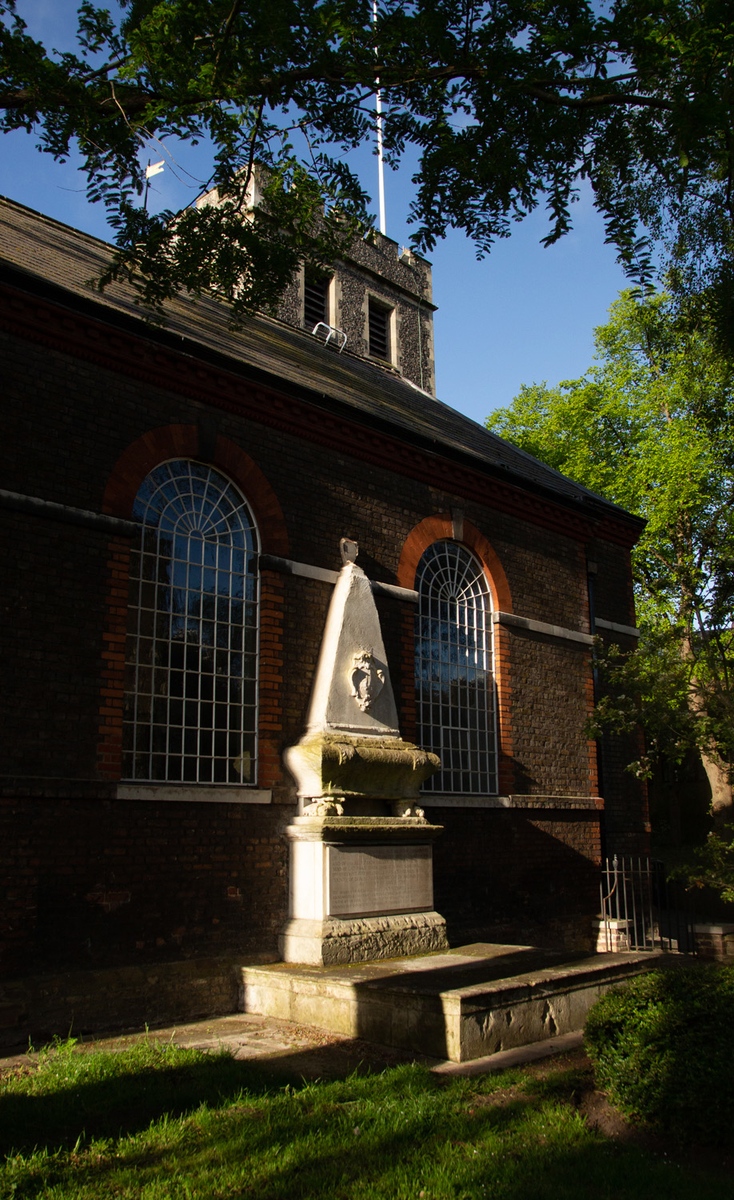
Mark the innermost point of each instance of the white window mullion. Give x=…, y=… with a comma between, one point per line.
x=456, y=721
x=188, y=504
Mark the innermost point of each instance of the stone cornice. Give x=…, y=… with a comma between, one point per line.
x=152, y=357
x=542, y=627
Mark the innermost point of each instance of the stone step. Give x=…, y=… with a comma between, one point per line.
x=457, y=1005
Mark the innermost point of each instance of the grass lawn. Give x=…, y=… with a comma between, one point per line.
x=170, y=1122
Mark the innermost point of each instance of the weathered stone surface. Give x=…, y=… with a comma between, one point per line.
x=364, y=880
x=350, y=829
x=344, y=765
x=338, y=941
x=347, y=870
x=352, y=746
x=352, y=691
x=457, y=1005
x=360, y=888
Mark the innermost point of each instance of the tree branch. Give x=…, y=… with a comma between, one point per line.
x=608, y=100
x=276, y=86
x=226, y=32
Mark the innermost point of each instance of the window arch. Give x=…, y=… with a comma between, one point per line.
x=190, y=708
x=453, y=670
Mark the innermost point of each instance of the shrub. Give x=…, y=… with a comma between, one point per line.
x=663, y=1050
x=712, y=866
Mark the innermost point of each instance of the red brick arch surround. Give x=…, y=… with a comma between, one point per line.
x=132, y=467
x=438, y=528
x=182, y=441
x=434, y=529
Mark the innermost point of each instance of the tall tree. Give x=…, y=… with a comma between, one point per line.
x=510, y=104
x=651, y=427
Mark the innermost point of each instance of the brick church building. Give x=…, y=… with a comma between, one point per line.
x=172, y=503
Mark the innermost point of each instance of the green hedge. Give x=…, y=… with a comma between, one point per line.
x=663, y=1050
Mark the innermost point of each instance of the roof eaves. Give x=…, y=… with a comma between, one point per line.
x=390, y=400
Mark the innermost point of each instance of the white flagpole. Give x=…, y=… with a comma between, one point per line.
x=380, y=163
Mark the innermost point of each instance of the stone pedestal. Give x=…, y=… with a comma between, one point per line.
x=361, y=852
x=361, y=888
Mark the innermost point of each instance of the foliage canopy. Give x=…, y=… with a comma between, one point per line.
x=651, y=427
x=508, y=104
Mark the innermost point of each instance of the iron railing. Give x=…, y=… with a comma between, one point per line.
x=642, y=910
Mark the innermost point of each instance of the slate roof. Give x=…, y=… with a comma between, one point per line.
x=40, y=253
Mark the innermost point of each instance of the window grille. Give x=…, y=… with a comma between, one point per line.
x=453, y=666
x=190, y=712
x=315, y=300
x=379, y=331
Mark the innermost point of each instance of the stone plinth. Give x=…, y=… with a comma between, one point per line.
x=462, y=1005
x=715, y=941
x=613, y=935
x=360, y=889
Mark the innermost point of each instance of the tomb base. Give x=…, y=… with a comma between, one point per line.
x=361, y=889
x=336, y=941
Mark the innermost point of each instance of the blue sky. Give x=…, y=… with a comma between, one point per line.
x=522, y=315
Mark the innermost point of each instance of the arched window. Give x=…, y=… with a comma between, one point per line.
x=190, y=711
x=453, y=665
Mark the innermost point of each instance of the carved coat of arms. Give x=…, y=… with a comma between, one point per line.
x=367, y=678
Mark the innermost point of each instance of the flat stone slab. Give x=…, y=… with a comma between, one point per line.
x=503, y=1060
x=295, y=1050
x=279, y=1047
x=460, y=1005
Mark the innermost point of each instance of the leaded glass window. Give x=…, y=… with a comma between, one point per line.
x=453, y=660
x=190, y=711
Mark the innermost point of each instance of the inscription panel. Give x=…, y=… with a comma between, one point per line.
x=367, y=881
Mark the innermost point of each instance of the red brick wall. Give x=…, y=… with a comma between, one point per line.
x=92, y=881
x=53, y=589
x=210, y=878
x=626, y=821
x=517, y=875
x=113, y=662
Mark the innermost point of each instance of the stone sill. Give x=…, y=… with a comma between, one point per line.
x=193, y=793
x=41, y=787
x=432, y=800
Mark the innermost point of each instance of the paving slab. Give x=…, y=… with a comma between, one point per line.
x=281, y=1047
x=288, y=1049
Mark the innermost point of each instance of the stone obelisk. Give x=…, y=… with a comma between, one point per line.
x=361, y=850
